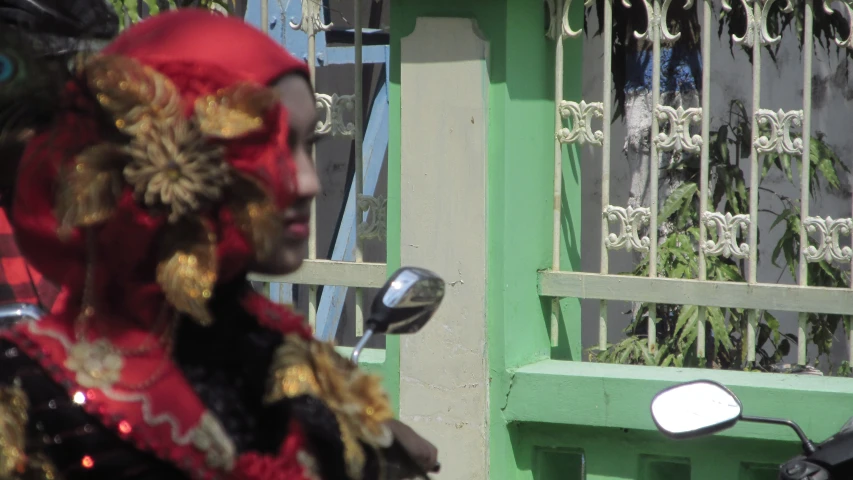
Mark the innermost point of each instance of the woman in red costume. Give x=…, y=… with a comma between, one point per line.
x=179, y=161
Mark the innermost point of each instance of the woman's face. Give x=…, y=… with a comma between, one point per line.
x=298, y=98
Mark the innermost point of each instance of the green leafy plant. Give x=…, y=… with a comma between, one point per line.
x=132, y=11
x=677, y=326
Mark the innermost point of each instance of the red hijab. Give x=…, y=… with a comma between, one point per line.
x=186, y=92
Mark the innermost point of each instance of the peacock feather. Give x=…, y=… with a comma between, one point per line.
x=29, y=85
x=38, y=40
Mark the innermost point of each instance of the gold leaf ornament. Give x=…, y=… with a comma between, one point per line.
x=308, y=367
x=89, y=188
x=235, y=111
x=13, y=423
x=187, y=272
x=133, y=93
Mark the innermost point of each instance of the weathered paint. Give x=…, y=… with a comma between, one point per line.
x=443, y=384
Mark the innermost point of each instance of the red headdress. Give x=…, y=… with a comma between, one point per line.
x=161, y=180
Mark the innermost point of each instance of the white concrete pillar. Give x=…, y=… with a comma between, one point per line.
x=444, y=108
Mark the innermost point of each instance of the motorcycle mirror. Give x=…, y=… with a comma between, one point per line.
x=695, y=409
x=406, y=302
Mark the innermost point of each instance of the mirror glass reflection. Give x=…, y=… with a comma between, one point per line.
x=693, y=408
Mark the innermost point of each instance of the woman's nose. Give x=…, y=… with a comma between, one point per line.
x=307, y=182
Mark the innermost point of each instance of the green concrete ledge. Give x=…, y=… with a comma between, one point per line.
x=600, y=395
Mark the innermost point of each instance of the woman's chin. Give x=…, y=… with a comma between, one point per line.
x=285, y=264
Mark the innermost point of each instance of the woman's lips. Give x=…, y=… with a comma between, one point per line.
x=298, y=229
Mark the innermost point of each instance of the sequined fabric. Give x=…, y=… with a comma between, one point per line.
x=78, y=445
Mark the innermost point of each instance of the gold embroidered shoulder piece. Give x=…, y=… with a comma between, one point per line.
x=308, y=367
x=15, y=464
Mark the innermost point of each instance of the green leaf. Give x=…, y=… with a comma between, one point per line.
x=769, y=160
x=687, y=316
x=741, y=191
x=718, y=325
x=832, y=273
x=684, y=193
x=624, y=356
x=786, y=166
x=647, y=356
x=153, y=7
x=132, y=10
x=782, y=217
x=828, y=170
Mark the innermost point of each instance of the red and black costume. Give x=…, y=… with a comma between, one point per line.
x=19, y=281
x=156, y=186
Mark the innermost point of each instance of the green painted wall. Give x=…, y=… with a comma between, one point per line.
x=551, y=417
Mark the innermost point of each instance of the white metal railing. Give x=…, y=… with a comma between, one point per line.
x=781, y=139
x=317, y=272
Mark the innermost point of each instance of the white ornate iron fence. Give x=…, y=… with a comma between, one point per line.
x=364, y=212
x=635, y=228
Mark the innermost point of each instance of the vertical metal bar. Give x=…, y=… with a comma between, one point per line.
x=805, y=163
x=607, y=80
x=850, y=342
x=312, y=224
x=654, y=168
x=558, y=173
x=707, y=12
x=285, y=293
x=755, y=170
x=277, y=290
x=359, y=167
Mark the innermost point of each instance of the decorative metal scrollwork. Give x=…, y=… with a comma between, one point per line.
x=843, y=42
x=728, y=228
x=657, y=20
x=333, y=106
x=828, y=239
x=580, y=115
x=559, y=25
x=312, y=19
x=757, y=27
x=630, y=220
x=653, y=17
x=375, y=227
x=678, y=138
x=779, y=139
